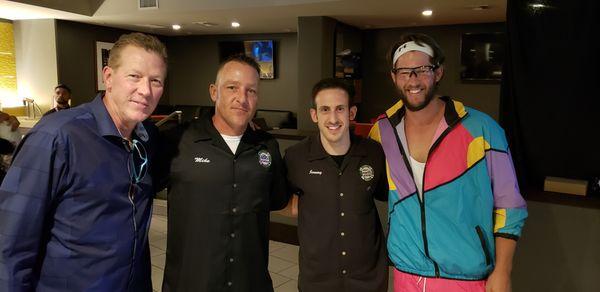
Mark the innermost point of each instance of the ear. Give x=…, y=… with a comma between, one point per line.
x=393, y=76
x=313, y=115
x=439, y=73
x=353, y=111
x=107, y=73
x=212, y=89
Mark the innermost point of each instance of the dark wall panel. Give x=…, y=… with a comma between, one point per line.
x=76, y=53
x=195, y=59
x=378, y=91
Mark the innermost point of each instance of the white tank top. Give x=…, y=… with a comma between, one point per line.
x=418, y=169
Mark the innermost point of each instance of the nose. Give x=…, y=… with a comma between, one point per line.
x=332, y=117
x=144, y=87
x=242, y=96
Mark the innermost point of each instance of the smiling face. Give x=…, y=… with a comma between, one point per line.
x=333, y=114
x=235, y=95
x=134, y=87
x=416, y=91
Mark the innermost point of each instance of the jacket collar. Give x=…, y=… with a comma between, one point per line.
x=316, y=150
x=454, y=111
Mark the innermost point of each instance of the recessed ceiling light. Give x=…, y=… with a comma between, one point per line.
x=427, y=12
x=235, y=24
x=176, y=27
x=480, y=7
x=205, y=23
x=537, y=5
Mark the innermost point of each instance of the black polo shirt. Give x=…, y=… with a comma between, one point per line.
x=218, y=209
x=342, y=246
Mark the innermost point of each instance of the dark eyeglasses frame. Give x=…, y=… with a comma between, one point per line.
x=415, y=70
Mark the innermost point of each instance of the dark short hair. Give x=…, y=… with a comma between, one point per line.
x=333, y=83
x=63, y=86
x=240, y=58
x=419, y=38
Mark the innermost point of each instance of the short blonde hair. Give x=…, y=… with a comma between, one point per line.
x=147, y=42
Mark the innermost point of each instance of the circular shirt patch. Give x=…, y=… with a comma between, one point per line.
x=366, y=172
x=264, y=158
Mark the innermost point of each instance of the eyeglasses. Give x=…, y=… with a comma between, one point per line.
x=406, y=73
x=137, y=163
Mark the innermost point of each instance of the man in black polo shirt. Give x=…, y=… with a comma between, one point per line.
x=336, y=176
x=224, y=180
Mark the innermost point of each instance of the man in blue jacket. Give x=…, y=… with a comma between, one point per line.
x=75, y=204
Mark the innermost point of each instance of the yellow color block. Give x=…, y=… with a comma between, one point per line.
x=499, y=219
x=391, y=184
x=476, y=151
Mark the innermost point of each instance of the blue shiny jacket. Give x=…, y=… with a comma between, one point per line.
x=70, y=217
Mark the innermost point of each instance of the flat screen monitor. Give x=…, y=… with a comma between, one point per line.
x=482, y=56
x=261, y=50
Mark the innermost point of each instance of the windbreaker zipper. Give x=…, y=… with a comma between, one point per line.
x=422, y=201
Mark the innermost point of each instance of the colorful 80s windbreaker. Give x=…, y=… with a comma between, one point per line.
x=470, y=195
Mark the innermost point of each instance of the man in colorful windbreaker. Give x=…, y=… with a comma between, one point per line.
x=455, y=209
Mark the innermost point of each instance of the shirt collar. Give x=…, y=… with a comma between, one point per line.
x=317, y=151
x=106, y=126
x=204, y=130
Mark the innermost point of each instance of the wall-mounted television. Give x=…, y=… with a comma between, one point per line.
x=262, y=51
x=482, y=56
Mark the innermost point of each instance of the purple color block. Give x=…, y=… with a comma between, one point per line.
x=504, y=181
x=399, y=173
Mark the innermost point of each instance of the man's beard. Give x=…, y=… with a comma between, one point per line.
x=415, y=108
x=62, y=104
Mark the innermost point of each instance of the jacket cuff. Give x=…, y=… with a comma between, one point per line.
x=507, y=235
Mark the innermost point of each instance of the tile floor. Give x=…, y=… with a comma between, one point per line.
x=283, y=259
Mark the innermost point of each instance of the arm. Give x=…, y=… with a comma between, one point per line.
x=166, y=144
x=26, y=196
x=291, y=210
x=382, y=188
x=279, y=192
x=510, y=210
x=499, y=279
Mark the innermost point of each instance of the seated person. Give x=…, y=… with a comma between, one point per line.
x=6, y=147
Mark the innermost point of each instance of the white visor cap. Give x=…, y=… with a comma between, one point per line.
x=411, y=46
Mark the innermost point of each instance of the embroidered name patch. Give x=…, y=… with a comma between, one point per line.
x=264, y=158
x=366, y=172
x=313, y=172
x=201, y=160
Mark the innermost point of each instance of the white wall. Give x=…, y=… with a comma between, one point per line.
x=35, y=52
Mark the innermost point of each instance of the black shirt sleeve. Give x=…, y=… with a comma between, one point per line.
x=292, y=188
x=167, y=143
x=279, y=193
x=382, y=188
